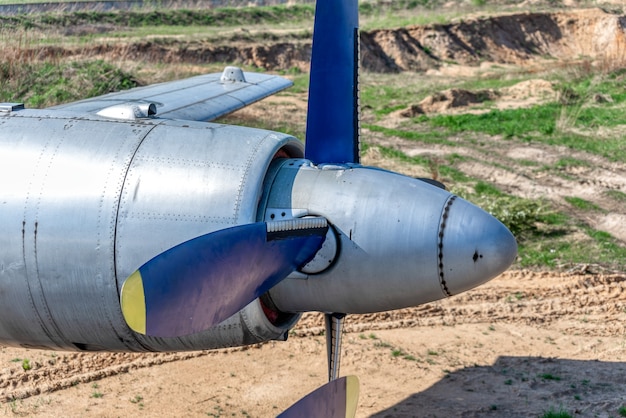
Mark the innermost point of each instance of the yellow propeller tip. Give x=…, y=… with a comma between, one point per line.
x=352, y=395
x=133, y=302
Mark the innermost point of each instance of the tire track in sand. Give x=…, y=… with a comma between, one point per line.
x=580, y=304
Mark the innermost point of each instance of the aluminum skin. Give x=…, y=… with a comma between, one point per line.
x=85, y=201
x=400, y=241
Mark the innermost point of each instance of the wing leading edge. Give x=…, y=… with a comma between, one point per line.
x=201, y=98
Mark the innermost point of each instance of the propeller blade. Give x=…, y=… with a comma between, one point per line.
x=332, y=130
x=203, y=281
x=336, y=399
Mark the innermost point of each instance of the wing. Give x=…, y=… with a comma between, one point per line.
x=201, y=98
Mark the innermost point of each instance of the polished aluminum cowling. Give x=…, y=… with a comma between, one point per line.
x=85, y=201
x=400, y=241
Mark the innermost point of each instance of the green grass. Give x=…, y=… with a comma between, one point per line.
x=432, y=137
x=386, y=98
x=616, y=195
x=581, y=203
x=294, y=130
x=556, y=413
x=508, y=123
x=373, y=15
x=47, y=83
x=572, y=125
x=484, y=188
x=222, y=17
x=566, y=162
x=558, y=248
x=300, y=83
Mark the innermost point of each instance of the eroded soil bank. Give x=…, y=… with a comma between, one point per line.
x=512, y=39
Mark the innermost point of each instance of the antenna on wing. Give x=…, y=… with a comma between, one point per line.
x=333, y=117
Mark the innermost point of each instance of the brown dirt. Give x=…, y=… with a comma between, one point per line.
x=524, y=94
x=518, y=38
x=516, y=347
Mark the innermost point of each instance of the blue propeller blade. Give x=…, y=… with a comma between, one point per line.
x=336, y=399
x=332, y=131
x=203, y=281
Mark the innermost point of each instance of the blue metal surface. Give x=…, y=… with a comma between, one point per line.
x=201, y=282
x=336, y=399
x=333, y=114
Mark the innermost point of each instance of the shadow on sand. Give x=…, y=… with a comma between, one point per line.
x=522, y=387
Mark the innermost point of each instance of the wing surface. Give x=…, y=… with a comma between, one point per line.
x=201, y=98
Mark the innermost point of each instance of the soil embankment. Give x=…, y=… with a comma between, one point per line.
x=520, y=39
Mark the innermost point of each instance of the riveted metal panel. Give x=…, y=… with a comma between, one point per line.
x=82, y=199
x=387, y=227
x=188, y=180
x=402, y=241
x=61, y=179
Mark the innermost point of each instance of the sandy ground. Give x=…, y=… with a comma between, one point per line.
x=520, y=345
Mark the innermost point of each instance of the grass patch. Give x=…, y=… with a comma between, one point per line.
x=566, y=162
x=572, y=122
x=46, y=84
x=508, y=123
x=294, y=130
x=616, y=195
x=382, y=344
x=226, y=16
x=549, y=376
x=433, y=137
x=556, y=413
x=523, y=217
x=483, y=188
x=582, y=204
x=560, y=249
x=383, y=99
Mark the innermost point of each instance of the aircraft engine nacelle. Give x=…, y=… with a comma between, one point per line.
x=85, y=201
x=396, y=241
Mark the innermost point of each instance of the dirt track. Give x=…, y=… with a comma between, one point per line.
x=517, y=346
